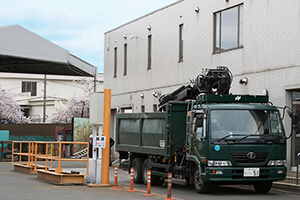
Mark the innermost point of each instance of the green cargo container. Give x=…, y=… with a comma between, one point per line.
x=153, y=133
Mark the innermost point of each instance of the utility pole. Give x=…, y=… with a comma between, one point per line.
x=95, y=79
x=44, y=107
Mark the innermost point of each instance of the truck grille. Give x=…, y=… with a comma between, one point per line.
x=242, y=158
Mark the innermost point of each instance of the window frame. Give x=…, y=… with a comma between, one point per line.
x=29, y=86
x=115, y=61
x=149, y=54
x=181, y=27
x=125, y=60
x=218, y=28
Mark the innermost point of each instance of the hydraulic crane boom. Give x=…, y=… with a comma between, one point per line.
x=211, y=81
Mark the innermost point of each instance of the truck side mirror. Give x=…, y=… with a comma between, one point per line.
x=295, y=119
x=199, y=121
x=294, y=116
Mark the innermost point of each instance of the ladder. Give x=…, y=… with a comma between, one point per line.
x=81, y=153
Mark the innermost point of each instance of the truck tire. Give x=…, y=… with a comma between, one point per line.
x=262, y=187
x=200, y=185
x=137, y=167
x=155, y=180
x=144, y=171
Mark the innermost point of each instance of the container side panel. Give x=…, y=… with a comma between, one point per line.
x=129, y=132
x=153, y=133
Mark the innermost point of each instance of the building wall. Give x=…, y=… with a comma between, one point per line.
x=58, y=90
x=269, y=58
x=270, y=40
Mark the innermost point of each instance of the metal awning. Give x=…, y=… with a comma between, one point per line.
x=22, y=51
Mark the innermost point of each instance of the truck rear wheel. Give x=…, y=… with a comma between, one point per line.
x=145, y=169
x=200, y=185
x=137, y=167
x=155, y=180
x=262, y=187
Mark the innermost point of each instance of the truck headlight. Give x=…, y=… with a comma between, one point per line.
x=277, y=163
x=219, y=163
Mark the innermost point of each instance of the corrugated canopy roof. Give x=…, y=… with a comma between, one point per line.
x=22, y=51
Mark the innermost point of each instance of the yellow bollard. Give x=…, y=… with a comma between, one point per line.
x=106, y=133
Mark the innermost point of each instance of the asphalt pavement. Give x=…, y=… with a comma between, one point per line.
x=16, y=185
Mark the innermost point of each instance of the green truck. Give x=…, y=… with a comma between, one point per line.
x=214, y=138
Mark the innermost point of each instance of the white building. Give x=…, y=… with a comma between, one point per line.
x=159, y=52
x=28, y=91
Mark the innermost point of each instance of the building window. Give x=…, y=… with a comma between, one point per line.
x=154, y=107
x=125, y=59
x=29, y=87
x=228, y=29
x=115, y=62
x=25, y=110
x=149, y=51
x=180, y=43
x=142, y=108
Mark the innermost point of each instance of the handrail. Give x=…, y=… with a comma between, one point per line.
x=29, y=154
x=33, y=154
x=59, y=158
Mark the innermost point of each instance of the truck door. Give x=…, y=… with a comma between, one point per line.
x=199, y=132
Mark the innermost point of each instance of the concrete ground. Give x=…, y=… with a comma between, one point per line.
x=16, y=185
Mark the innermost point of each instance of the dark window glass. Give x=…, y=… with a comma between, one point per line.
x=125, y=59
x=149, y=51
x=155, y=108
x=142, y=108
x=33, y=88
x=115, y=62
x=180, y=42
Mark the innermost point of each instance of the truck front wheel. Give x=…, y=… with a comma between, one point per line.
x=200, y=185
x=262, y=187
x=137, y=167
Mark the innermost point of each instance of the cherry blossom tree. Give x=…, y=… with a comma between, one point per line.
x=10, y=110
x=76, y=106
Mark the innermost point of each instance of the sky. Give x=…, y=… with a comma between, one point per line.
x=76, y=25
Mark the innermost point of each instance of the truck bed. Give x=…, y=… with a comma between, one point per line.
x=157, y=133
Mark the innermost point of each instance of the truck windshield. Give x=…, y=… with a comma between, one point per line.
x=242, y=125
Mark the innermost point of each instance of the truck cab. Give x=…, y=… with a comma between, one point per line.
x=234, y=139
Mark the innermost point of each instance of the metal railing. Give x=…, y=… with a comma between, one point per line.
x=52, y=152
x=29, y=154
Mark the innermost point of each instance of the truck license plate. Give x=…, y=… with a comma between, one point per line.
x=251, y=172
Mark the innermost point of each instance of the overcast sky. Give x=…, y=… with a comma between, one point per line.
x=76, y=25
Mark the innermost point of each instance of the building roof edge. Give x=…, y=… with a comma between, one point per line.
x=163, y=8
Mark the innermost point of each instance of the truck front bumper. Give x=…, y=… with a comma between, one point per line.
x=236, y=174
